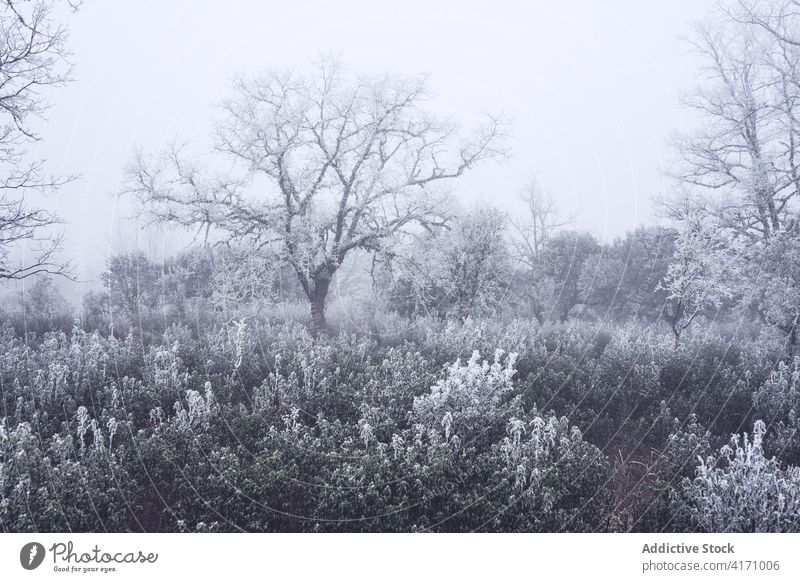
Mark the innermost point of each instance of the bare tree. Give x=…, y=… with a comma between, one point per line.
x=335, y=163
x=742, y=165
x=538, y=223
x=33, y=57
x=531, y=232
x=777, y=17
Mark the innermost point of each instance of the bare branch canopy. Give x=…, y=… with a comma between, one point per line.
x=332, y=163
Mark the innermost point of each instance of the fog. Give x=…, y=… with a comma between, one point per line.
x=363, y=354
x=590, y=88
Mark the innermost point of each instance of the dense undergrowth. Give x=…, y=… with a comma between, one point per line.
x=480, y=426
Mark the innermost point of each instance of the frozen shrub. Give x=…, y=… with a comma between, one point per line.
x=467, y=402
x=550, y=464
x=196, y=412
x=741, y=490
x=361, y=434
x=164, y=370
x=777, y=400
x=780, y=394
x=647, y=501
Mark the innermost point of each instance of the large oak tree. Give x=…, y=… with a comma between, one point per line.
x=333, y=163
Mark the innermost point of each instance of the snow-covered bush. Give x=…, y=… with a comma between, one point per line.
x=777, y=400
x=741, y=490
x=196, y=412
x=359, y=434
x=548, y=460
x=779, y=396
x=468, y=401
x=648, y=501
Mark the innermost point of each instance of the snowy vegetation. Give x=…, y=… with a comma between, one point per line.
x=347, y=348
x=259, y=426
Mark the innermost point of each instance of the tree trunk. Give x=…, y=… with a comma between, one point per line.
x=317, y=297
x=793, y=338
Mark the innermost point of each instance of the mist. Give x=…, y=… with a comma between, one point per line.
x=591, y=90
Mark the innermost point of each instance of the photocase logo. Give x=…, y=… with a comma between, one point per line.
x=31, y=555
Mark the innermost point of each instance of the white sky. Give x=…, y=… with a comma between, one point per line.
x=591, y=89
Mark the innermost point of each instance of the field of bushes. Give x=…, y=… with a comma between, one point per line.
x=481, y=425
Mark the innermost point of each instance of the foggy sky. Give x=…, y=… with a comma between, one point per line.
x=591, y=89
